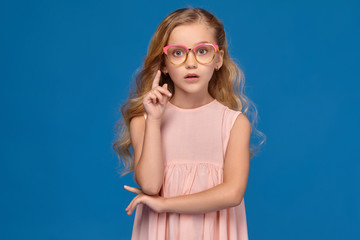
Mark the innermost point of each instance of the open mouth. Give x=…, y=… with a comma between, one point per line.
x=191, y=76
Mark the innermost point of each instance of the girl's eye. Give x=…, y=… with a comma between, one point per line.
x=202, y=51
x=177, y=53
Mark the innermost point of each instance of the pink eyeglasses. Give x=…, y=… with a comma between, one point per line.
x=204, y=53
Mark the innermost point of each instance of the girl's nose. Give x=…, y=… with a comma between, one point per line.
x=191, y=61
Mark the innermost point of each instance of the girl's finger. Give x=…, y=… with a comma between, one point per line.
x=132, y=201
x=130, y=204
x=132, y=189
x=164, y=90
x=158, y=95
x=165, y=86
x=133, y=204
x=153, y=97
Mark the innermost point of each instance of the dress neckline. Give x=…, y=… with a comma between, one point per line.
x=192, y=109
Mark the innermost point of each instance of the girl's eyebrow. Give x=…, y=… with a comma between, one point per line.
x=202, y=42
x=195, y=43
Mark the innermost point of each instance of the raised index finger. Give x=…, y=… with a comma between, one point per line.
x=156, y=79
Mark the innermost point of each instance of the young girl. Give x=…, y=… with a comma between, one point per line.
x=191, y=141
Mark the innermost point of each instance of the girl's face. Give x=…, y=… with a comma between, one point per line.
x=190, y=36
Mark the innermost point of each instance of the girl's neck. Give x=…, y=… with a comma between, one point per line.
x=191, y=101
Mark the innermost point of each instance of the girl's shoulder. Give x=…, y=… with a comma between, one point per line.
x=229, y=115
x=227, y=109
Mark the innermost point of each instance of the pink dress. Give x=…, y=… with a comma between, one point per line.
x=194, y=145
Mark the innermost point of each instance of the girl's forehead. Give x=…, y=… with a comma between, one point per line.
x=191, y=34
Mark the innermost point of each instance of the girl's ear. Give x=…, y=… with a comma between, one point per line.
x=220, y=59
x=164, y=70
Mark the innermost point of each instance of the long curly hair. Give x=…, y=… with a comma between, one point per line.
x=226, y=84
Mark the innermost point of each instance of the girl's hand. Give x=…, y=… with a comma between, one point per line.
x=156, y=99
x=156, y=203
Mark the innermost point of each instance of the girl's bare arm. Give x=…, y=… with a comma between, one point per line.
x=236, y=169
x=146, y=139
x=146, y=142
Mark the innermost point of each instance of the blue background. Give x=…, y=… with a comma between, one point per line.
x=66, y=68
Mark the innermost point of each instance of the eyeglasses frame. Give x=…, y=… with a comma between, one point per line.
x=216, y=47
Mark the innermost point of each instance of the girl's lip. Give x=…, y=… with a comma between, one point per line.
x=192, y=79
x=191, y=75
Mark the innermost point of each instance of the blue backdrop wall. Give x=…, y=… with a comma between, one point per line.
x=66, y=68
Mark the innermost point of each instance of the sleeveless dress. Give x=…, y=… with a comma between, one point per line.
x=194, y=144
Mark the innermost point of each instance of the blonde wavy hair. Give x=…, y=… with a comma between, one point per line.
x=226, y=84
